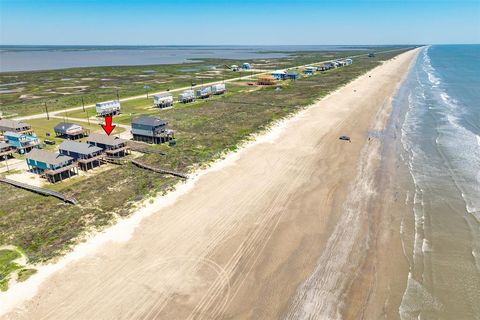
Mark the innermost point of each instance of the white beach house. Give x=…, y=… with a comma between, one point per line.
x=186, y=96
x=163, y=100
x=219, y=88
x=108, y=108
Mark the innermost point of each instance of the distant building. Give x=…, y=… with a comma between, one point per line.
x=330, y=65
x=325, y=67
x=14, y=126
x=203, y=93
x=219, y=88
x=108, y=108
x=87, y=155
x=246, y=66
x=279, y=74
x=186, y=96
x=163, y=100
x=151, y=130
x=348, y=61
x=112, y=146
x=70, y=131
x=53, y=166
x=371, y=55
x=309, y=70
x=6, y=150
x=234, y=67
x=266, y=80
x=22, y=142
x=292, y=75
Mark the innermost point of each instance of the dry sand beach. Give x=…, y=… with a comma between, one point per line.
x=293, y=226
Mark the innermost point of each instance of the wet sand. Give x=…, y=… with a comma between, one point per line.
x=291, y=227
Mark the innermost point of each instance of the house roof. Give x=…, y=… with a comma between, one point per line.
x=47, y=156
x=163, y=95
x=13, y=134
x=104, y=139
x=292, y=74
x=149, y=121
x=279, y=72
x=14, y=124
x=4, y=145
x=64, y=126
x=79, y=147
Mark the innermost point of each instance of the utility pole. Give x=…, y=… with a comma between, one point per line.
x=118, y=98
x=46, y=110
x=146, y=88
x=6, y=162
x=83, y=105
x=88, y=118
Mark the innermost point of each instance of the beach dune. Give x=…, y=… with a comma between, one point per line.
x=281, y=230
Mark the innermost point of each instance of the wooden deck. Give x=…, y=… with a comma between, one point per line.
x=96, y=158
x=6, y=153
x=42, y=191
x=118, y=150
x=60, y=170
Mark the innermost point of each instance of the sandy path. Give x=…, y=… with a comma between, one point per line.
x=247, y=240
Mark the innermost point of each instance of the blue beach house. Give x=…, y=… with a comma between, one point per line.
x=53, y=166
x=246, y=66
x=292, y=75
x=279, y=74
x=22, y=142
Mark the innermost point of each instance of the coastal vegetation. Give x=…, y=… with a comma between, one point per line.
x=44, y=228
x=24, y=93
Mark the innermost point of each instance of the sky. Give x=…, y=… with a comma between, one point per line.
x=234, y=22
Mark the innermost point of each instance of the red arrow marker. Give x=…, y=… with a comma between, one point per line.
x=108, y=127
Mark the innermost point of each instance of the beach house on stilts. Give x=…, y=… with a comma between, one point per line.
x=111, y=145
x=50, y=165
x=151, y=130
x=163, y=100
x=88, y=156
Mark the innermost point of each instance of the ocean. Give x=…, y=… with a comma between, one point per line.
x=27, y=58
x=440, y=149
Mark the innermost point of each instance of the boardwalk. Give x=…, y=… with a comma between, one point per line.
x=158, y=170
x=42, y=191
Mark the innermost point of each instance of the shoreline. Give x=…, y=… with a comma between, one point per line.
x=386, y=275
x=373, y=289
x=125, y=229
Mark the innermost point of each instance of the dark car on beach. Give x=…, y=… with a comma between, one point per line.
x=345, y=138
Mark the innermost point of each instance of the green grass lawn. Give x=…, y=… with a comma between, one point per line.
x=44, y=228
x=44, y=129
